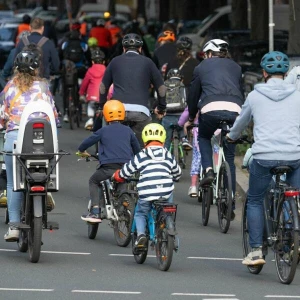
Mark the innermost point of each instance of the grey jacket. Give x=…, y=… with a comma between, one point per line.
x=275, y=109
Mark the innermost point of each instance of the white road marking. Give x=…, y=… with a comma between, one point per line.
x=106, y=292
x=215, y=258
x=27, y=290
x=210, y=295
x=51, y=252
x=220, y=299
x=282, y=296
x=125, y=255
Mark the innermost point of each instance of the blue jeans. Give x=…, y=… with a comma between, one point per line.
x=208, y=124
x=14, y=199
x=167, y=121
x=141, y=214
x=259, y=180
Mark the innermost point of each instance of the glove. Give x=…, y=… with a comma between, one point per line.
x=83, y=154
x=82, y=98
x=117, y=178
x=229, y=140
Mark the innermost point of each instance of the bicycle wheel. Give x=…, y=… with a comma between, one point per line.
x=164, y=247
x=246, y=245
x=92, y=230
x=224, y=197
x=181, y=159
x=176, y=150
x=287, y=245
x=71, y=109
x=23, y=237
x=139, y=255
x=35, y=239
x=207, y=197
x=6, y=217
x=200, y=196
x=122, y=227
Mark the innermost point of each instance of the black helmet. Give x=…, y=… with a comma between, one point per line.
x=27, y=61
x=184, y=43
x=97, y=55
x=132, y=40
x=174, y=73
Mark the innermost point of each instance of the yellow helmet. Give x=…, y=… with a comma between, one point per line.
x=114, y=110
x=154, y=132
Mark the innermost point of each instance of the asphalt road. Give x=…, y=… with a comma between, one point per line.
x=207, y=266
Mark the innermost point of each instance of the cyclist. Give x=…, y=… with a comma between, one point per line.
x=216, y=91
x=25, y=85
x=132, y=74
x=91, y=83
x=117, y=145
x=157, y=168
x=274, y=108
x=176, y=103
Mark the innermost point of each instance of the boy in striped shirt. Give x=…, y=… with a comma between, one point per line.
x=158, y=169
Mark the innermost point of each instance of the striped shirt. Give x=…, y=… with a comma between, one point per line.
x=158, y=168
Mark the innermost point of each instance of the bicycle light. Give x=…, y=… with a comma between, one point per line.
x=38, y=133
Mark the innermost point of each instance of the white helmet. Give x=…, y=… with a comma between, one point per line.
x=216, y=45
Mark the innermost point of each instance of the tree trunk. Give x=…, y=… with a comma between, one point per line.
x=294, y=40
x=239, y=14
x=259, y=19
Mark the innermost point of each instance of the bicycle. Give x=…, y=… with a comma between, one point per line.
x=220, y=191
x=119, y=204
x=176, y=147
x=161, y=234
x=281, y=231
x=73, y=107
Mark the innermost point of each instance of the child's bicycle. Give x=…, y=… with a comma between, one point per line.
x=160, y=232
x=118, y=208
x=176, y=147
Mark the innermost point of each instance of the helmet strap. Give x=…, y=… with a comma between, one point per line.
x=153, y=143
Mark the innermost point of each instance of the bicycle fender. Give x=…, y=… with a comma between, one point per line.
x=37, y=206
x=295, y=214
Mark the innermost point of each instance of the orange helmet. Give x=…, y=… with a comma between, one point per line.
x=114, y=110
x=166, y=36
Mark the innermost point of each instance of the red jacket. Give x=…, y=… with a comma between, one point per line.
x=103, y=36
x=90, y=85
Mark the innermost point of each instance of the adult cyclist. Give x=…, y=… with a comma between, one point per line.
x=274, y=107
x=132, y=74
x=216, y=92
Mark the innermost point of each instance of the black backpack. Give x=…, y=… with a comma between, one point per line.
x=175, y=95
x=73, y=51
x=69, y=71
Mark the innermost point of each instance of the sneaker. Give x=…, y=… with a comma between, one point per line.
x=89, y=124
x=193, y=192
x=50, y=202
x=254, y=258
x=208, y=178
x=12, y=235
x=66, y=118
x=141, y=241
x=91, y=218
x=185, y=144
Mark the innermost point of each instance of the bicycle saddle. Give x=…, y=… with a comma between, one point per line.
x=224, y=126
x=280, y=170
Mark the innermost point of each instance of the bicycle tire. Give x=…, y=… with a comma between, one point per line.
x=164, y=248
x=245, y=234
x=35, y=239
x=224, y=197
x=176, y=149
x=23, y=236
x=284, y=248
x=71, y=109
x=181, y=159
x=139, y=256
x=207, y=197
x=200, y=196
x=125, y=213
x=92, y=230
x=6, y=217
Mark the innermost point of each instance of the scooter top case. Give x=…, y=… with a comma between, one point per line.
x=36, y=146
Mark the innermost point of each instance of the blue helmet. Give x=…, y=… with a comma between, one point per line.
x=275, y=62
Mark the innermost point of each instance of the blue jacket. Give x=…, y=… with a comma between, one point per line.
x=8, y=67
x=51, y=61
x=275, y=109
x=117, y=143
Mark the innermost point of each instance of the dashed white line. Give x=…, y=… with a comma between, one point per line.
x=106, y=292
x=215, y=258
x=8, y=250
x=282, y=296
x=127, y=255
x=220, y=299
x=52, y=252
x=200, y=294
x=27, y=290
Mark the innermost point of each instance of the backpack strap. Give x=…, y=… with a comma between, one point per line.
x=25, y=40
x=42, y=41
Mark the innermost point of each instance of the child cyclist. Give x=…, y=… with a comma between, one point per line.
x=158, y=168
x=91, y=84
x=117, y=145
